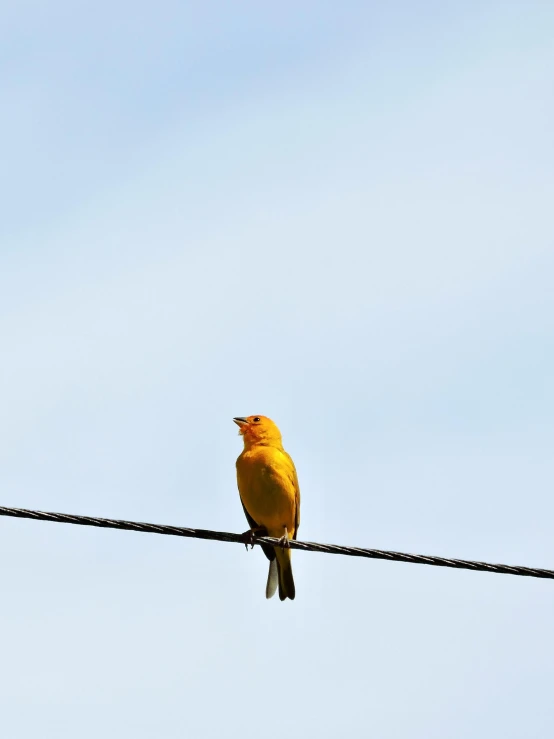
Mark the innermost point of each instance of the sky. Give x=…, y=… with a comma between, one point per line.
x=336, y=215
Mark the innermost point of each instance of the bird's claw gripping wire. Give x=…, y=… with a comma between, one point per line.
x=284, y=540
x=249, y=536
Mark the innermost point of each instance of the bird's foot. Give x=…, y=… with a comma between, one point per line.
x=249, y=536
x=284, y=540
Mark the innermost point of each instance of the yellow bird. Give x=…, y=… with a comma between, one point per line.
x=270, y=495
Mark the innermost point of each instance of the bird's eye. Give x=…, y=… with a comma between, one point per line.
x=257, y=419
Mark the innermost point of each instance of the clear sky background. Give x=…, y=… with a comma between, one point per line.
x=335, y=214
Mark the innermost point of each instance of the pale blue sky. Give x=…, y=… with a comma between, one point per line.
x=340, y=216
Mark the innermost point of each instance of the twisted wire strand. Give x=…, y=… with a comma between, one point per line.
x=305, y=546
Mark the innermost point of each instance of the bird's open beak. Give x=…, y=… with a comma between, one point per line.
x=240, y=421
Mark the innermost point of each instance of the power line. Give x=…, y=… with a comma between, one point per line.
x=305, y=546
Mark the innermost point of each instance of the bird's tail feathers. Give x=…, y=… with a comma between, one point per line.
x=286, y=580
x=272, y=579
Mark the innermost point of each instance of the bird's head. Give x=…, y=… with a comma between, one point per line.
x=258, y=430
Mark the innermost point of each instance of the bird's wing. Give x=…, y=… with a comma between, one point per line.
x=297, y=495
x=269, y=551
x=253, y=524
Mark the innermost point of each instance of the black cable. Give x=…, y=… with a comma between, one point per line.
x=306, y=546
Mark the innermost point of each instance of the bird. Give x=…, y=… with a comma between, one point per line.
x=270, y=496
